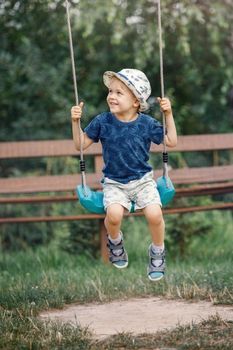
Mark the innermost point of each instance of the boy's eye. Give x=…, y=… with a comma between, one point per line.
x=117, y=92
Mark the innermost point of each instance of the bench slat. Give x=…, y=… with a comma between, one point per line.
x=202, y=175
x=204, y=142
x=60, y=183
x=56, y=183
x=220, y=188
x=10, y=220
x=53, y=148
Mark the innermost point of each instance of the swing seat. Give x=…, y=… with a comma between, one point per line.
x=166, y=189
x=93, y=200
x=90, y=200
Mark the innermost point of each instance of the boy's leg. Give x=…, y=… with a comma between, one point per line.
x=113, y=219
x=117, y=254
x=154, y=216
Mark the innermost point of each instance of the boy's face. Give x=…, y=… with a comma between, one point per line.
x=120, y=99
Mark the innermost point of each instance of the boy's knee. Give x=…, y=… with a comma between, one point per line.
x=156, y=219
x=154, y=215
x=114, y=214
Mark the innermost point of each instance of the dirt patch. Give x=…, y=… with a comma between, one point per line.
x=137, y=315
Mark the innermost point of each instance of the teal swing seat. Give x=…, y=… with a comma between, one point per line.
x=93, y=200
x=166, y=189
x=90, y=200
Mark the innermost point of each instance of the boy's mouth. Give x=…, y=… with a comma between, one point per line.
x=113, y=104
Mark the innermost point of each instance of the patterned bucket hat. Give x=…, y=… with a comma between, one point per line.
x=135, y=80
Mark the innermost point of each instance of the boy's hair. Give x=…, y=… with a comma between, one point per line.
x=135, y=80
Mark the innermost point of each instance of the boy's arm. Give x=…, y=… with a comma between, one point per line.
x=76, y=113
x=171, y=135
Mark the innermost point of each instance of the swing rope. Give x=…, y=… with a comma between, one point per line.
x=165, y=154
x=82, y=161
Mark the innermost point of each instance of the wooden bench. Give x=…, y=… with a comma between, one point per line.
x=189, y=181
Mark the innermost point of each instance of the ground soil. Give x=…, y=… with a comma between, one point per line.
x=137, y=315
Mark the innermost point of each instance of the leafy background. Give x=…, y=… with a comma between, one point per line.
x=36, y=86
x=36, y=83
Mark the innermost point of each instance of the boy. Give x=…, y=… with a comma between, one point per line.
x=126, y=135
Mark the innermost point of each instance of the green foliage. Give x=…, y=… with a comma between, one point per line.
x=197, y=53
x=16, y=237
x=34, y=71
x=36, y=83
x=182, y=228
x=19, y=237
x=83, y=238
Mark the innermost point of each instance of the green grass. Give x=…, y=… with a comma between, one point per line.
x=211, y=334
x=48, y=277
x=26, y=332
x=49, y=280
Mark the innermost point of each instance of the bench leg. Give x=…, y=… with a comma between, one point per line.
x=103, y=242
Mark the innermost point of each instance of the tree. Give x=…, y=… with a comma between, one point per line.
x=197, y=53
x=36, y=83
x=34, y=70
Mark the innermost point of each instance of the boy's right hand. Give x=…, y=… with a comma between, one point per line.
x=76, y=112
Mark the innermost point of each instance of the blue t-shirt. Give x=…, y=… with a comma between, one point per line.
x=125, y=145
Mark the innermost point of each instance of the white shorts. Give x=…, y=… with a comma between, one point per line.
x=142, y=192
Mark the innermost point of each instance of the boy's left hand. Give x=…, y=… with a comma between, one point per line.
x=165, y=105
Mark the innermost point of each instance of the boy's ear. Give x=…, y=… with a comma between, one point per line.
x=136, y=103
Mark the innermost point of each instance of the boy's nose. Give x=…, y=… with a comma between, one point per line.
x=111, y=98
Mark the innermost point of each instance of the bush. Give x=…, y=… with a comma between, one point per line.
x=181, y=228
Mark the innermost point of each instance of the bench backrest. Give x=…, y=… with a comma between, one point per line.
x=59, y=183
x=53, y=148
